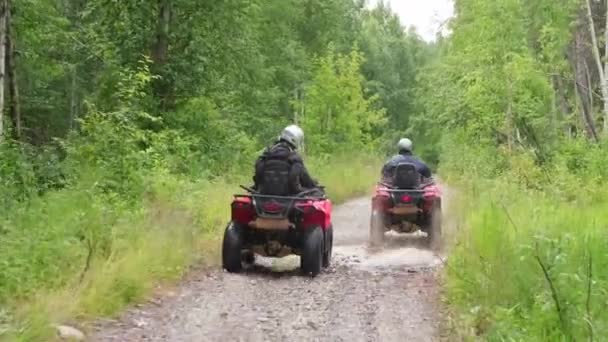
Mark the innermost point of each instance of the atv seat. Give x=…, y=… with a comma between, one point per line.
x=406, y=176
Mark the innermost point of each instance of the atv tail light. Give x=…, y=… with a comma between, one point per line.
x=406, y=198
x=272, y=207
x=242, y=211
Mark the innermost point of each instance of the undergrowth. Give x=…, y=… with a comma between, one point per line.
x=529, y=259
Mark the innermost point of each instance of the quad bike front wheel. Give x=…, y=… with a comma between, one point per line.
x=312, y=251
x=231, y=248
x=435, y=229
x=376, y=229
x=329, y=243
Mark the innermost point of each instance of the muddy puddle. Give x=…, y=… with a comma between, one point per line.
x=400, y=251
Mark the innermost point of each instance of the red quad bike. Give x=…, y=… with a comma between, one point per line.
x=406, y=206
x=277, y=226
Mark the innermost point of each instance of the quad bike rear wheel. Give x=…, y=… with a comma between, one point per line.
x=435, y=230
x=311, y=260
x=376, y=229
x=329, y=243
x=231, y=248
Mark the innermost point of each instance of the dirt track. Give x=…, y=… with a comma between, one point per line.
x=388, y=295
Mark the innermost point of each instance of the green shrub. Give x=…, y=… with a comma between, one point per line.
x=532, y=238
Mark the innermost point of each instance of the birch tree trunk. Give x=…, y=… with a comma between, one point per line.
x=602, y=70
x=606, y=74
x=74, y=105
x=581, y=84
x=14, y=101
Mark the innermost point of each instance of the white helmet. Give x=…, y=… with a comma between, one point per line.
x=294, y=135
x=405, y=144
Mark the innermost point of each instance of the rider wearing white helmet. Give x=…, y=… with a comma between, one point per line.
x=282, y=158
x=405, y=156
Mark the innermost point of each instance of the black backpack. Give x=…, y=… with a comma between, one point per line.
x=275, y=178
x=276, y=172
x=406, y=176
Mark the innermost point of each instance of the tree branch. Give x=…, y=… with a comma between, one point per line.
x=554, y=294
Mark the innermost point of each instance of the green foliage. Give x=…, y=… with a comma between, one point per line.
x=514, y=216
x=337, y=114
x=527, y=262
x=16, y=175
x=393, y=60
x=27, y=172
x=496, y=75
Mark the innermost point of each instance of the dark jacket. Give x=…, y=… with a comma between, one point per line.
x=405, y=157
x=283, y=155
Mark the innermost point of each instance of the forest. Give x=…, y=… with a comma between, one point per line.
x=520, y=85
x=126, y=125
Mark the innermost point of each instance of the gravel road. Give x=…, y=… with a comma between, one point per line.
x=386, y=295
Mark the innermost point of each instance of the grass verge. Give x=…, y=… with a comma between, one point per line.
x=528, y=265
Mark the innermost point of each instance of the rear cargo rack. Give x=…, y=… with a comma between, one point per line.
x=390, y=188
x=294, y=198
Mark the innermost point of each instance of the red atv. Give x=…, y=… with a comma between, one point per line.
x=277, y=226
x=406, y=205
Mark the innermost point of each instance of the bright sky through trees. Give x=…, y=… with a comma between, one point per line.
x=427, y=16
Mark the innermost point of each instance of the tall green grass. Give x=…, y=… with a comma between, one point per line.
x=73, y=255
x=530, y=257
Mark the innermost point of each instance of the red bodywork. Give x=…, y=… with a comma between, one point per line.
x=315, y=212
x=382, y=197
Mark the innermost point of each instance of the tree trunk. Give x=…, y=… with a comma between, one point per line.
x=160, y=48
x=565, y=110
x=589, y=87
x=296, y=106
x=161, y=42
x=606, y=72
x=581, y=83
x=74, y=113
x=14, y=103
x=3, y=21
x=601, y=70
x=509, y=117
x=564, y=106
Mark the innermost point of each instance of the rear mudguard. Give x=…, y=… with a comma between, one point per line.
x=320, y=215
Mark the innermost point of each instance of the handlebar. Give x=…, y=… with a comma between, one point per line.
x=301, y=194
x=250, y=190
